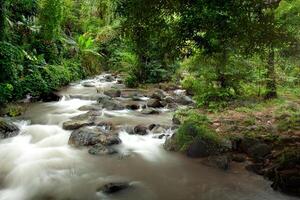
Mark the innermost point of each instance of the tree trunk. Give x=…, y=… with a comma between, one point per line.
x=271, y=76
x=220, y=71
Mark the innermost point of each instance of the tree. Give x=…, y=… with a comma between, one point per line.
x=2, y=19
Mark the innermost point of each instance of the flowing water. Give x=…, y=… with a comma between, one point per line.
x=40, y=165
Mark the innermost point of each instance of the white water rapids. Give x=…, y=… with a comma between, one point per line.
x=40, y=165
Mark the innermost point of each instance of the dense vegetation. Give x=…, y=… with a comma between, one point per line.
x=221, y=51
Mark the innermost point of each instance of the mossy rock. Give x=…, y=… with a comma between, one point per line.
x=8, y=129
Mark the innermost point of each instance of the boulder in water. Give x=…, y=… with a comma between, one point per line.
x=93, y=107
x=8, y=129
x=159, y=95
x=150, y=111
x=154, y=103
x=91, y=136
x=133, y=106
x=50, y=97
x=100, y=149
x=219, y=161
x=111, y=188
x=184, y=100
x=88, y=84
x=109, y=78
x=76, y=124
x=113, y=93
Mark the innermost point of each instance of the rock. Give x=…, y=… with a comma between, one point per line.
x=100, y=149
x=89, y=116
x=150, y=111
x=111, y=104
x=93, y=107
x=170, y=143
x=85, y=97
x=158, y=94
x=111, y=188
x=50, y=97
x=152, y=126
x=184, y=100
x=109, y=78
x=8, y=129
x=106, y=125
x=140, y=130
x=113, y=93
x=202, y=147
x=88, y=84
x=103, y=98
x=154, y=103
x=175, y=120
x=120, y=81
x=92, y=136
x=158, y=129
x=244, y=144
x=259, y=151
x=288, y=180
x=169, y=99
x=238, y=158
x=161, y=136
x=256, y=168
x=219, y=161
x=76, y=124
x=132, y=106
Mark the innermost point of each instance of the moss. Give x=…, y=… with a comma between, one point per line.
x=13, y=110
x=191, y=115
x=190, y=130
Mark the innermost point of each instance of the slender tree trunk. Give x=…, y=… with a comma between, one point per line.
x=220, y=71
x=2, y=19
x=271, y=76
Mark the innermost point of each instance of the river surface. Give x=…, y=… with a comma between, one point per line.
x=40, y=165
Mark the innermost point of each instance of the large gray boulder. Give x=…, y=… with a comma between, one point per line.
x=91, y=136
x=8, y=129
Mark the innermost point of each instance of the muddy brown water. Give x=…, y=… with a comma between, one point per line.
x=39, y=165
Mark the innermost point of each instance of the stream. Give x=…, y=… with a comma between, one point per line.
x=39, y=164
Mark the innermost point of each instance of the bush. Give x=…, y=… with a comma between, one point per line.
x=11, y=58
x=6, y=91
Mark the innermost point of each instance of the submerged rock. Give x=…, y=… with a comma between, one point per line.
x=88, y=84
x=219, y=161
x=111, y=188
x=8, y=129
x=93, y=107
x=149, y=111
x=100, y=149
